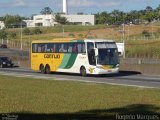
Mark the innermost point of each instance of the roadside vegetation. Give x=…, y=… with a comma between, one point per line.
x=37, y=96
x=141, y=30
x=141, y=40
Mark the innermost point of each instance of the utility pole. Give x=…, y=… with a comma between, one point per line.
x=152, y=29
x=123, y=33
x=21, y=37
x=63, y=30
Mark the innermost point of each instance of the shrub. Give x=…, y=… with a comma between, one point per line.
x=146, y=33
x=80, y=35
x=3, y=34
x=26, y=31
x=72, y=35
x=12, y=35
x=37, y=31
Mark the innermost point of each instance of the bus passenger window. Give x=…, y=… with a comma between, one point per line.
x=83, y=48
x=54, y=48
x=42, y=48
x=39, y=49
x=74, y=48
x=70, y=48
x=49, y=47
x=63, y=48
x=34, y=48
x=79, y=48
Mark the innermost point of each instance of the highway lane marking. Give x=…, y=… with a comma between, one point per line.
x=115, y=84
x=69, y=79
x=31, y=76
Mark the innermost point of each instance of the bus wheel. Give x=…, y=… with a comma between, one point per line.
x=83, y=72
x=42, y=68
x=47, y=69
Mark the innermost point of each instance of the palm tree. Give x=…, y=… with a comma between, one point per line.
x=46, y=10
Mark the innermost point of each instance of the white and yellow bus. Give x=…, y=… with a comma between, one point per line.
x=84, y=56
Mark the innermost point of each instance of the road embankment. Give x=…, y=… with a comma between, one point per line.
x=147, y=69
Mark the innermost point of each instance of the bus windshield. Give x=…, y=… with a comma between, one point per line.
x=106, y=45
x=108, y=56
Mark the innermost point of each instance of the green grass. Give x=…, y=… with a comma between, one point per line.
x=58, y=29
x=47, y=31
x=71, y=99
x=143, y=49
x=136, y=46
x=71, y=28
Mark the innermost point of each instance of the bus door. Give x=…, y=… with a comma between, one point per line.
x=91, y=53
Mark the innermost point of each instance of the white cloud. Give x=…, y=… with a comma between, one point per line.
x=81, y=3
x=108, y=4
x=19, y=3
x=23, y=3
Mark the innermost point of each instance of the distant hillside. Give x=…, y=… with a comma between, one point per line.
x=98, y=31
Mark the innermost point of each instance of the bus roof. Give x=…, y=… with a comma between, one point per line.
x=71, y=40
x=98, y=40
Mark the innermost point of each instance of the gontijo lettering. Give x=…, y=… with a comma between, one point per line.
x=56, y=56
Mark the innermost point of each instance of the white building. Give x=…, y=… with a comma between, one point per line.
x=81, y=19
x=48, y=20
x=2, y=25
x=41, y=20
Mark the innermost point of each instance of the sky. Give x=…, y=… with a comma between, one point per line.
x=28, y=8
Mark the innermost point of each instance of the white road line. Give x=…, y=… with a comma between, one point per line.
x=64, y=79
x=115, y=84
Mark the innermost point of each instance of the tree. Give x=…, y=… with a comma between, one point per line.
x=1, y=18
x=102, y=18
x=149, y=8
x=10, y=20
x=46, y=10
x=60, y=20
x=158, y=8
x=26, y=31
x=3, y=34
x=150, y=16
x=12, y=35
x=117, y=16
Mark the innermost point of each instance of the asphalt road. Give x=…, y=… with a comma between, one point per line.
x=124, y=78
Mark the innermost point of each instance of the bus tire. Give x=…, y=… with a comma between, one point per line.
x=83, y=71
x=42, y=69
x=47, y=69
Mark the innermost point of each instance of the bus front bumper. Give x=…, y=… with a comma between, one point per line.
x=99, y=71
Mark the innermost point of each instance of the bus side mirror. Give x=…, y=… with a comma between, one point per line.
x=96, y=52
